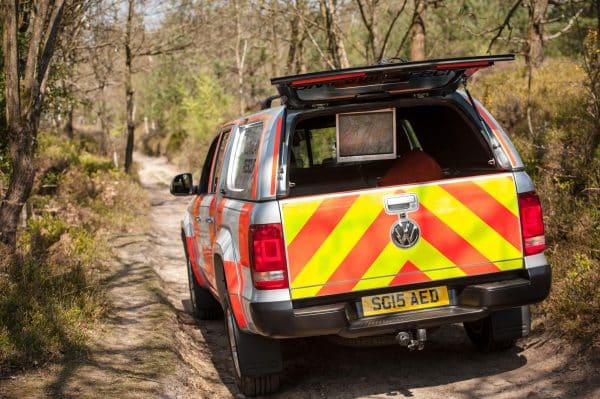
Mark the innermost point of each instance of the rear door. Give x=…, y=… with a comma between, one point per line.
x=393, y=236
x=208, y=209
x=432, y=77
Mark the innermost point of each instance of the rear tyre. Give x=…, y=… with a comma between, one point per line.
x=204, y=305
x=500, y=330
x=256, y=359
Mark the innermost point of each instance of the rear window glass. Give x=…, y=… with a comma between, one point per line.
x=313, y=147
x=244, y=156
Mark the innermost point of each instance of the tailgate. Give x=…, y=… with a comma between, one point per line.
x=338, y=243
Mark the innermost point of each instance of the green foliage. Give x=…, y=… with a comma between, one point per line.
x=52, y=293
x=185, y=108
x=205, y=104
x=49, y=298
x=564, y=162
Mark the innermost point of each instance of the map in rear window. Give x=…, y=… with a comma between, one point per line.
x=370, y=134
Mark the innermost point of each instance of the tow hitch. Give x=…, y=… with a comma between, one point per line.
x=412, y=340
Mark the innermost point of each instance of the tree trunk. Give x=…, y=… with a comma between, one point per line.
x=23, y=108
x=417, y=43
x=337, y=50
x=241, y=47
x=274, y=38
x=367, y=14
x=534, y=47
x=68, y=127
x=19, y=138
x=129, y=89
x=293, y=49
x=295, y=61
x=20, y=183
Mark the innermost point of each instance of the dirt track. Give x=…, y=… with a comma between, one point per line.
x=314, y=368
x=151, y=346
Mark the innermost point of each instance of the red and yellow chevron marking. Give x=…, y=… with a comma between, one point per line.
x=337, y=244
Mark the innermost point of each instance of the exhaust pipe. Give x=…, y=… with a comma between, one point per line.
x=412, y=339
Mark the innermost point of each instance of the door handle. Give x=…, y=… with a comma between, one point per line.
x=209, y=220
x=198, y=218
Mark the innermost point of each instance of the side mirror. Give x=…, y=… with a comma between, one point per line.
x=183, y=185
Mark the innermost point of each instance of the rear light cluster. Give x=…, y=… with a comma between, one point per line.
x=267, y=256
x=532, y=224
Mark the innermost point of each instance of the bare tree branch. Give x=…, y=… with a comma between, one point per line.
x=390, y=28
x=566, y=28
x=504, y=24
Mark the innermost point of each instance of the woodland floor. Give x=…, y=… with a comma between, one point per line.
x=150, y=346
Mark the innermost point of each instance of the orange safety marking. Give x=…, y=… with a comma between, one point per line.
x=409, y=274
x=450, y=244
x=315, y=231
x=496, y=131
x=192, y=256
x=232, y=289
x=257, y=118
x=207, y=250
x=195, y=214
x=361, y=257
x=493, y=213
x=243, y=231
x=275, y=155
x=219, y=218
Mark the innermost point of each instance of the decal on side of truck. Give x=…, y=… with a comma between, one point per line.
x=342, y=243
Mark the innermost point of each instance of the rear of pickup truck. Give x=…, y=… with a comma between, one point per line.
x=367, y=254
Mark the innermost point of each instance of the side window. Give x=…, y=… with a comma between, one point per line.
x=323, y=145
x=219, y=161
x=243, y=160
x=205, y=173
x=300, y=155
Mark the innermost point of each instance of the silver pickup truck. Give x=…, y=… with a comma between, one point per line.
x=379, y=201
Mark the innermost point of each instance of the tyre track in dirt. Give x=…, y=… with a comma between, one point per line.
x=448, y=367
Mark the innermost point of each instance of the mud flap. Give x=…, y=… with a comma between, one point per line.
x=258, y=355
x=511, y=323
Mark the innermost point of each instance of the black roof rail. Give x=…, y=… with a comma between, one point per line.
x=267, y=101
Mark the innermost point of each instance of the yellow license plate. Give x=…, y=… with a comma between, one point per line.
x=405, y=300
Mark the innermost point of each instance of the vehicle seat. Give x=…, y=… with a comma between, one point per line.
x=412, y=167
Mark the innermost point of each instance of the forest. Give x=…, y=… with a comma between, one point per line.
x=87, y=84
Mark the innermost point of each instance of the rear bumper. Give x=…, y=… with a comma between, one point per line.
x=469, y=302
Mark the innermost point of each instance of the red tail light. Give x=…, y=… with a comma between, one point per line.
x=269, y=268
x=532, y=224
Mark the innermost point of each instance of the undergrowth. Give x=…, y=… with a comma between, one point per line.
x=51, y=292
x=564, y=162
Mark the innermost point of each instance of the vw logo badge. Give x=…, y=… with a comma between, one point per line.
x=405, y=233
